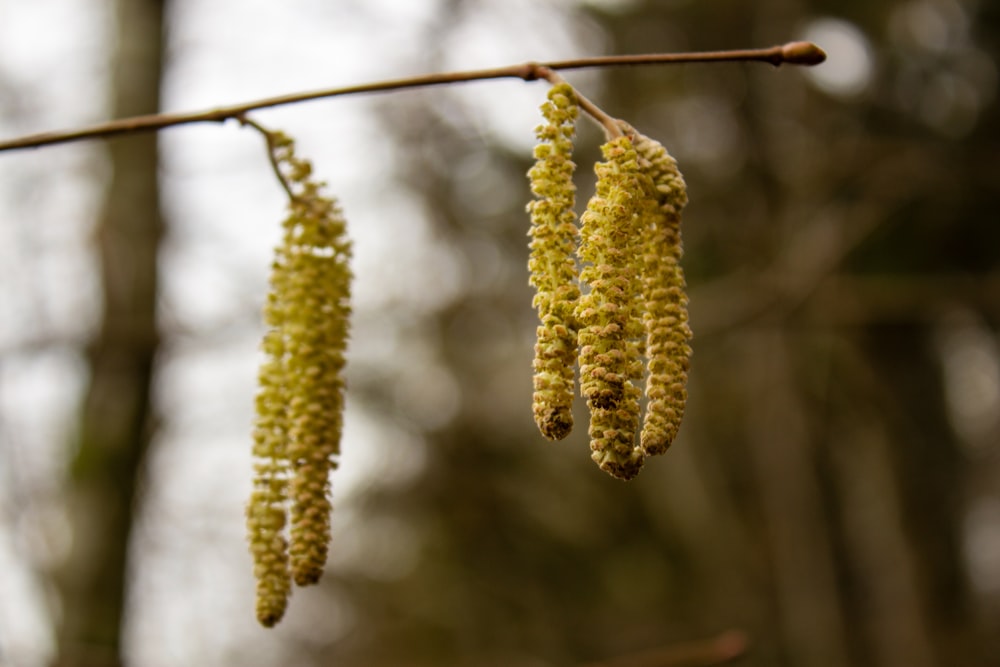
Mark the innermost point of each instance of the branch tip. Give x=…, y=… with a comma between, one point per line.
x=534, y=71
x=802, y=53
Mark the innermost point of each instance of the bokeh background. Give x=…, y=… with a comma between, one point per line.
x=834, y=494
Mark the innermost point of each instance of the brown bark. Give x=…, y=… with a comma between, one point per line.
x=115, y=424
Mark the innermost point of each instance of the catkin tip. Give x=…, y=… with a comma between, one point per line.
x=555, y=423
x=654, y=445
x=621, y=467
x=269, y=617
x=308, y=576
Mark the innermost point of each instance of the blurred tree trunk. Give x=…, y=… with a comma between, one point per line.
x=116, y=425
x=928, y=483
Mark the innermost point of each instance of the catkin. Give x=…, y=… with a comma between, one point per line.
x=668, y=334
x=267, y=512
x=552, y=265
x=610, y=327
x=301, y=399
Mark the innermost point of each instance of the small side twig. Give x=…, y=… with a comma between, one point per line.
x=611, y=125
x=794, y=53
x=271, y=153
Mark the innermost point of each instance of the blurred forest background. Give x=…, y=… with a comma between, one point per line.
x=834, y=493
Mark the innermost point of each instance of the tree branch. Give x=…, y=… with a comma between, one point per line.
x=794, y=53
x=720, y=650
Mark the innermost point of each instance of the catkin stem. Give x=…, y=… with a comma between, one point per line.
x=611, y=125
x=272, y=154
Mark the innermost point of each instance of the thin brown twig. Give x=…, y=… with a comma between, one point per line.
x=794, y=53
x=611, y=127
x=271, y=153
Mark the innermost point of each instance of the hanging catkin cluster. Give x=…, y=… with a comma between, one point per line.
x=301, y=398
x=628, y=301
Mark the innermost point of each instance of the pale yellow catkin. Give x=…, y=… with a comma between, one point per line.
x=552, y=264
x=267, y=511
x=301, y=399
x=668, y=333
x=318, y=309
x=610, y=327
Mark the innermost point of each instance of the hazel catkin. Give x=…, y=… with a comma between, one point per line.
x=300, y=404
x=267, y=512
x=317, y=309
x=668, y=333
x=610, y=326
x=552, y=264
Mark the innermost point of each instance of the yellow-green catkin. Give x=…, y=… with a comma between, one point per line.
x=610, y=327
x=301, y=401
x=668, y=333
x=267, y=512
x=552, y=264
